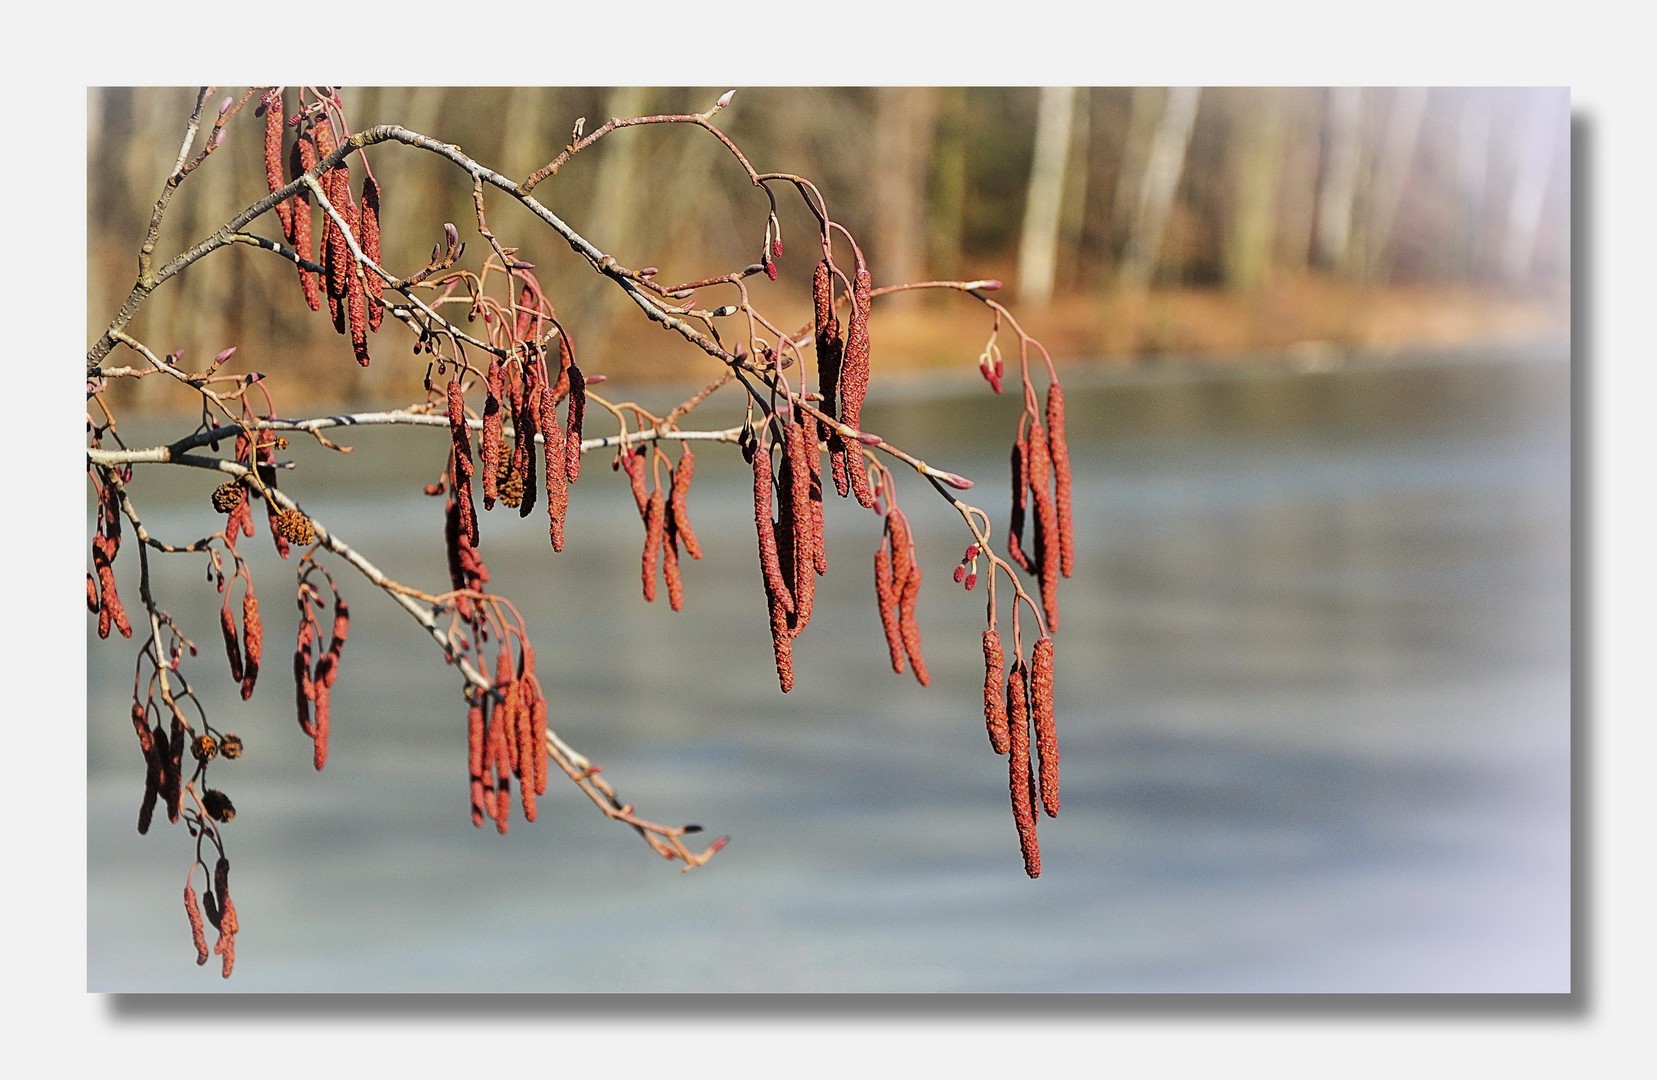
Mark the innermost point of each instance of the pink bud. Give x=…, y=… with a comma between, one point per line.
x=224, y=106
x=869, y=439
x=972, y=579
x=972, y=551
x=215, y=139
x=954, y=480
x=451, y=233
x=724, y=99
x=770, y=269
x=960, y=574
x=776, y=248
x=223, y=356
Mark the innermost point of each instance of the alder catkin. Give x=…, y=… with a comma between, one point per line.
x=369, y=237
x=827, y=328
x=800, y=521
x=886, y=599
x=232, y=643
x=552, y=452
x=1039, y=480
x=769, y=561
x=1042, y=717
x=1020, y=787
x=654, y=511
x=253, y=641
x=578, y=411
x=1015, y=519
x=474, y=758
x=302, y=159
x=1059, y=450
x=198, y=932
x=854, y=383
x=274, y=180
x=678, y=514
x=995, y=691
x=491, y=448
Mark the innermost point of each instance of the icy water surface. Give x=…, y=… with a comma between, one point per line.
x=1314, y=697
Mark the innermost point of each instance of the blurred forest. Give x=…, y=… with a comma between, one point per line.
x=1127, y=223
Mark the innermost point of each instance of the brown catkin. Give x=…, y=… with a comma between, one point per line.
x=552, y=467
x=1019, y=784
x=336, y=185
x=1047, y=524
x=198, y=932
x=526, y=422
x=886, y=599
x=356, y=304
x=493, y=406
x=854, y=383
x=221, y=878
x=782, y=642
x=654, y=512
x=302, y=158
x=1059, y=449
x=369, y=237
x=274, y=180
x=253, y=642
x=172, y=787
x=578, y=411
x=1042, y=717
x=155, y=756
x=819, y=551
x=995, y=691
x=678, y=513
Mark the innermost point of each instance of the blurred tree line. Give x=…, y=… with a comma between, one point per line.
x=1062, y=192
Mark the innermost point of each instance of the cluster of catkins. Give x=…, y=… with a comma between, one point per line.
x=220, y=911
x=313, y=681
x=353, y=291
x=101, y=597
x=506, y=737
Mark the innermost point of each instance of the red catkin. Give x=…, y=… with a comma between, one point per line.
x=226, y=945
x=819, y=551
x=995, y=692
x=578, y=410
x=886, y=600
x=493, y=406
x=232, y=643
x=368, y=235
x=854, y=383
x=828, y=344
x=678, y=510
x=670, y=574
x=319, y=736
x=1041, y=716
x=1020, y=787
x=302, y=158
x=198, y=931
x=474, y=758
x=1059, y=449
x=1015, y=520
x=274, y=180
x=776, y=585
x=1047, y=524
x=803, y=540
x=304, y=685
x=552, y=449
x=538, y=732
x=253, y=642
x=356, y=302
x=654, y=512
x=526, y=420
x=908, y=626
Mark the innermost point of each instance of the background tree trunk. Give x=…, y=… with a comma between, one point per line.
x=1038, y=248
x=906, y=119
x=1163, y=170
